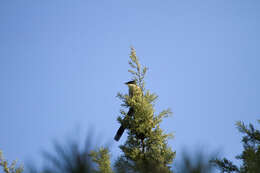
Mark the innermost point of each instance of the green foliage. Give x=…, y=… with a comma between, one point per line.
x=146, y=142
x=9, y=168
x=137, y=71
x=250, y=157
x=225, y=165
x=102, y=158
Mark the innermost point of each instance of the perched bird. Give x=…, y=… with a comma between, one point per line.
x=133, y=89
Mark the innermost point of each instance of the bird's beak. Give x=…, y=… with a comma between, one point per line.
x=126, y=83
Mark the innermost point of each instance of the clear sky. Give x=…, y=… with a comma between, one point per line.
x=63, y=62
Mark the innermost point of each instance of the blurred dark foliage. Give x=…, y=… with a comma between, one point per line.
x=67, y=158
x=72, y=158
x=195, y=163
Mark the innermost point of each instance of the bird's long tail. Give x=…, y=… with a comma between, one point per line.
x=119, y=133
x=121, y=129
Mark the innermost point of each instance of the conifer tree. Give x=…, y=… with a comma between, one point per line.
x=102, y=158
x=250, y=156
x=146, y=148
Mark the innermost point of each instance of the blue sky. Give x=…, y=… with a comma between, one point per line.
x=63, y=62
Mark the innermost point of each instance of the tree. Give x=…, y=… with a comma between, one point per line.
x=146, y=148
x=250, y=157
x=102, y=158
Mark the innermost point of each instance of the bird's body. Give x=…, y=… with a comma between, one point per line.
x=133, y=90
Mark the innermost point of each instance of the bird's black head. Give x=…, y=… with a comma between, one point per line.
x=131, y=82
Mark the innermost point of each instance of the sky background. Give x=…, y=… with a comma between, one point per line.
x=63, y=62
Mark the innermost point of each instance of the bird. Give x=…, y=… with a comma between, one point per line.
x=133, y=89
